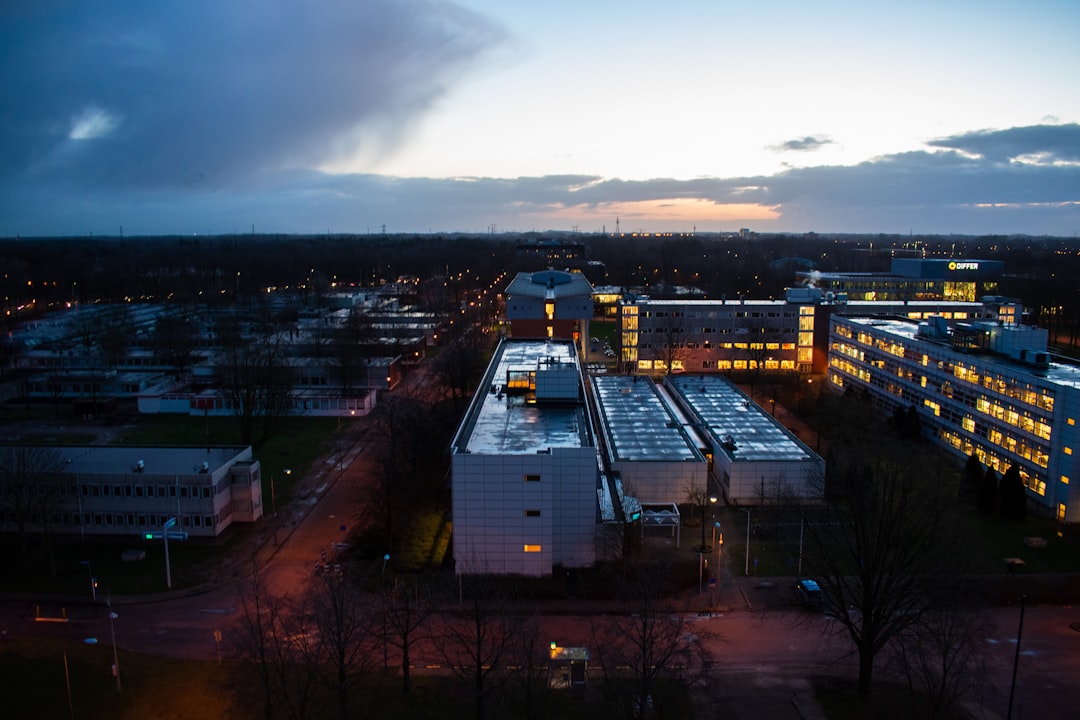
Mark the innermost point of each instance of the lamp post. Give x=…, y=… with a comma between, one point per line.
x=93, y=580
x=112, y=635
x=165, y=536
x=746, y=569
x=1016, y=657
x=703, y=548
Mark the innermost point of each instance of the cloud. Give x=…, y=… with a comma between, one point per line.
x=804, y=144
x=1048, y=143
x=133, y=93
x=938, y=190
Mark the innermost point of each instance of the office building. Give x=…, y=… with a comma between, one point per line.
x=790, y=335
x=525, y=477
x=117, y=490
x=983, y=388
x=959, y=280
x=553, y=304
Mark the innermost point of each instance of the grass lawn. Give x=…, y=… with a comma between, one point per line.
x=284, y=458
x=604, y=330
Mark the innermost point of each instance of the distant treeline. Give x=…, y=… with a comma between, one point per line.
x=51, y=271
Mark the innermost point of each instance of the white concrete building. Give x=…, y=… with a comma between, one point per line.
x=645, y=441
x=525, y=476
x=755, y=459
x=130, y=490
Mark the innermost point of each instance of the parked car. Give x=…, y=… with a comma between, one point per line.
x=809, y=593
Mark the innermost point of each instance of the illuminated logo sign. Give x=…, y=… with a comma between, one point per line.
x=963, y=265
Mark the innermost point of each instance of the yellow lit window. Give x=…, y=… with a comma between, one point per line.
x=1064, y=479
x=532, y=548
x=1068, y=451
x=1061, y=512
x=1071, y=421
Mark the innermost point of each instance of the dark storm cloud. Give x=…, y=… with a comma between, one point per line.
x=1048, y=143
x=203, y=93
x=805, y=144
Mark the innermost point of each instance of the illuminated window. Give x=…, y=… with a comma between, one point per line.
x=1064, y=479
x=549, y=310
x=1061, y=512
x=1068, y=451
x=532, y=548
x=1071, y=421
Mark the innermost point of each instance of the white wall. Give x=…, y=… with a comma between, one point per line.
x=491, y=496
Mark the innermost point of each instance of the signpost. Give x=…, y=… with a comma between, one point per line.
x=167, y=535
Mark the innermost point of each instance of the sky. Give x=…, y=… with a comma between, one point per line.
x=415, y=116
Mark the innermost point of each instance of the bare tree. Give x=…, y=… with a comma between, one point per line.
x=530, y=657
x=943, y=656
x=350, y=345
x=253, y=374
x=406, y=606
x=347, y=637
x=174, y=340
x=879, y=547
x=26, y=493
x=476, y=639
x=651, y=653
x=252, y=638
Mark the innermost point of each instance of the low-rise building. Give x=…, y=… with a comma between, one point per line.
x=117, y=490
x=756, y=460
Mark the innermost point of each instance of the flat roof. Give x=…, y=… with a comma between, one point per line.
x=637, y=424
x=120, y=459
x=507, y=423
x=1055, y=373
x=729, y=414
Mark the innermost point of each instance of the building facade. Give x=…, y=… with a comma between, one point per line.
x=115, y=490
x=958, y=280
x=988, y=389
x=657, y=337
x=553, y=304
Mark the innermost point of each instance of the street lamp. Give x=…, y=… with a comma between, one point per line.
x=93, y=580
x=703, y=548
x=165, y=536
x=746, y=569
x=112, y=634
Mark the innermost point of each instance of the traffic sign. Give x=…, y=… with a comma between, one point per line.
x=173, y=535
